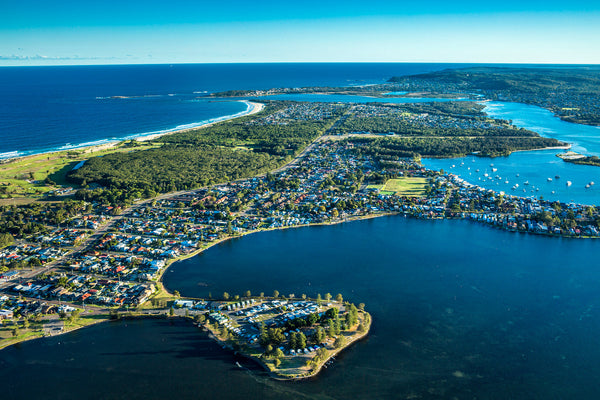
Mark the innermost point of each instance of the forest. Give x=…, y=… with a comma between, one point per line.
x=571, y=93
x=220, y=153
x=392, y=147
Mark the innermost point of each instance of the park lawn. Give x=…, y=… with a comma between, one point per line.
x=16, y=174
x=405, y=186
x=85, y=320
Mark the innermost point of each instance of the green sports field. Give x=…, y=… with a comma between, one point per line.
x=412, y=187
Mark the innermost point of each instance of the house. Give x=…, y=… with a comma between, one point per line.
x=7, y=276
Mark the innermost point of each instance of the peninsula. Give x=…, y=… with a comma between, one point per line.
x=97, y=249
x=292, y=338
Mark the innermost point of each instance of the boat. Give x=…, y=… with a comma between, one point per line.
x=592, y=183
x=494, y=169
x=569, y=183
x=506, y=182
x=526, y=183
x=587, y=186
x=549, y=179
x=517, y=175
x=557, y=177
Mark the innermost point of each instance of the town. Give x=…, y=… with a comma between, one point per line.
x=102, y=258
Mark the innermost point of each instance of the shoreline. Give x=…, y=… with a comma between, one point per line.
x=159, y=281
x=280, y=376
x=253, y=108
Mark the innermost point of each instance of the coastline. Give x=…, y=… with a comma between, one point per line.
x=355, y=336
x=253, y=108
x=161, y=288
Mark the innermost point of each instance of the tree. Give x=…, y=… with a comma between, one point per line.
x=321, y=354
x=275, y=293
x=301, y=340
x=75, y=314
x=278, y=353
x=176, y=293
x=339, y=342
x=337, y=324
x=351, y=315
x=225, y=296
x=225, y=333
x=327, y=296
x=331, y=328
x=171, y=312
x=319, y=335
x=361, y=306
x=6, y=239
x=276, y=335
x=248, y=293
x=293, y=343
x=339, y=297
x=263, y=336
x=268, y=350
x=277, y=362
x=361, y=327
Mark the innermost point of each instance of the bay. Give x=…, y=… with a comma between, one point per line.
x=460, y=311
x=531, y=170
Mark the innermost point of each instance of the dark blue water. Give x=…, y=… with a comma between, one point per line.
x=48, y=108
x=460, y=311
x=341, y=98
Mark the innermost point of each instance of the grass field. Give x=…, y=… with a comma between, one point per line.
x=24, y=177
x=411, y=187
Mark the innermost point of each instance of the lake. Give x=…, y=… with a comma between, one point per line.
x=460, y=311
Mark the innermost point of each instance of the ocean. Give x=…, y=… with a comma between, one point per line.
x=55, y=108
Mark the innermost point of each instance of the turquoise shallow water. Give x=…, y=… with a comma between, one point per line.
x=534, y=167
x=460, y=310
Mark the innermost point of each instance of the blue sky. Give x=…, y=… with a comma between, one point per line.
x=116, y=32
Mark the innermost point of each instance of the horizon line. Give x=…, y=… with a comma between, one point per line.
x=302, y=62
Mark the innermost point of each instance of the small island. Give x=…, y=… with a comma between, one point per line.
x=292, y=338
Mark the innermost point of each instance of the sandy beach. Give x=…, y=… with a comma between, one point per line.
x=253, y=108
